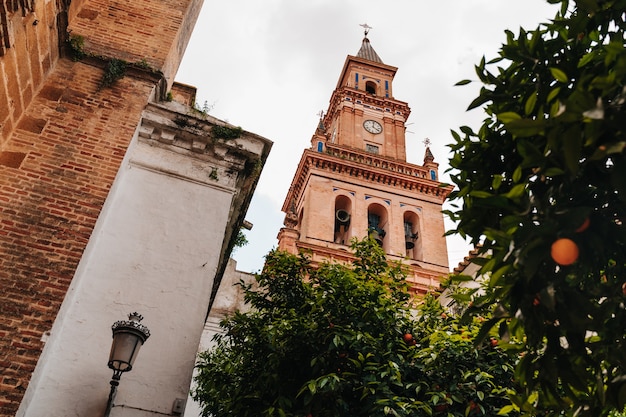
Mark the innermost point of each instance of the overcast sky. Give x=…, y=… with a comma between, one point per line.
x=270, y=66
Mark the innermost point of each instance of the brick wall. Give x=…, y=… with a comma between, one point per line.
x=71, y=141
x=121, y=29
x=62, y=141
x=31, y=52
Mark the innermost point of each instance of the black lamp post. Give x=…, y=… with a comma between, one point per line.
x=128, y=336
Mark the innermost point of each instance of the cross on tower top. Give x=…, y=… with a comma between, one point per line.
x=366, y=28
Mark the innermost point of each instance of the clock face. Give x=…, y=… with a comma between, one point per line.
x=372, y=126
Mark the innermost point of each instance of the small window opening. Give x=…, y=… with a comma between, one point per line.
x=371, y=148
x=370, y=87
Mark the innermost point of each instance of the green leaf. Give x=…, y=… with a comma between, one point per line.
x=467, y=130
x=516, y=191
x=508, y=117
x=496, y=182
x=463, y=82
x=559, y=75
x=587, y=58
x=525, y=127
x=529, y=106
x=479, y=101
x=553, y=94
x=517, y=174
x=480, y=194
x=506, y=410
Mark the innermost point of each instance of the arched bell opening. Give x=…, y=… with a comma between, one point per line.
x=343, y=215
x=377, y=219
x=412, y=242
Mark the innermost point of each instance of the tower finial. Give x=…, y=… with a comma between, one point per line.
x=366, y=28
x=428, y=155
x=320, y=125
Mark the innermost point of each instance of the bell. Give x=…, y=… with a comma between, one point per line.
x=342, y=217
x=409, y=240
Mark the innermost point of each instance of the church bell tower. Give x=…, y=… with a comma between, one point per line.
x=355, y=180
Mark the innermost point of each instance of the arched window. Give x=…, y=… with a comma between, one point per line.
x=412, y=241
x=320, y=146
x=377, y=223
x=343, y=214
x=370, y=87
x=433, y=175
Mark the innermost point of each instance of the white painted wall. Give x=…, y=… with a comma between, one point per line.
x=229, y=298
x=155, y=250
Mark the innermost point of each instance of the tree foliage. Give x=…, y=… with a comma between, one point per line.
x=344, y=340
x=548, y=157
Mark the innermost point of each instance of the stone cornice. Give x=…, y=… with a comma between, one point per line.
x=178, y=126
x=350, y=163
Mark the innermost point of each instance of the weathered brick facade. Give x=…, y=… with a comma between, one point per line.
x=62, y=140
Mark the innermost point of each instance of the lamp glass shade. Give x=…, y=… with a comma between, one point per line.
x=128, y=336
x=124, y=350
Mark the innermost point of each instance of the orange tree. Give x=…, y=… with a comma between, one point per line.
x=542, y=187
x=344, y=341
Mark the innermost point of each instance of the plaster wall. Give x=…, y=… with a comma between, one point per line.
x=230, y=298
x=155, y=250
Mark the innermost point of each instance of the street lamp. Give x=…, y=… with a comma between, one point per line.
x=128, y=336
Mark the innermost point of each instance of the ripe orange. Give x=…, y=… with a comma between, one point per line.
x=408, y=337
x=564, y=251
x=583, y=226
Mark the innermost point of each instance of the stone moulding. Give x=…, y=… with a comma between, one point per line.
x=370, y=168
x=166, y=124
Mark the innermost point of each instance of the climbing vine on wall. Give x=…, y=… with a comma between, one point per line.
x=115, y=69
